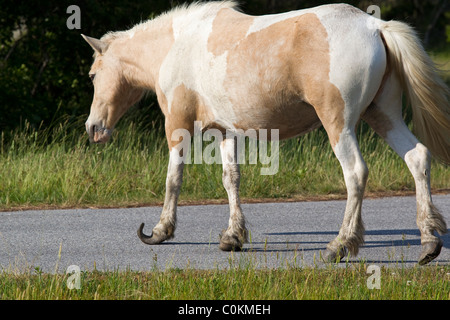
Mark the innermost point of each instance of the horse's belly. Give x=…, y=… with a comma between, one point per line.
x=290, y=120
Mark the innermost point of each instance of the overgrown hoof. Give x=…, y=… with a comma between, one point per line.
x=430, y=251
x=229, y=243
x=333, y=256
x=154, y=238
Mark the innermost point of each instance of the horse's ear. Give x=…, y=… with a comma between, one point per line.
x=99, y=46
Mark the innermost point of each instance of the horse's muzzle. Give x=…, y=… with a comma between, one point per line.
x=98, y=134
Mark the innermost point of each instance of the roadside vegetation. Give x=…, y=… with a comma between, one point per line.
x=351, y=282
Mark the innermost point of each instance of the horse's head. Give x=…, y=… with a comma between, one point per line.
x=113, y=94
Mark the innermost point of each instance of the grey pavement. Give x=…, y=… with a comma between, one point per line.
x=282, y=235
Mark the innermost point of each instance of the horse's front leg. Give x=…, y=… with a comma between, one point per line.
x=165, y=228
x=235, y=235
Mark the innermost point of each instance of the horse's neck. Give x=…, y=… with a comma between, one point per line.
x=143, y=54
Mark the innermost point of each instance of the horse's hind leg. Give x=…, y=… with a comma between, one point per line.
x=384, y=116
x=236, y=234
x=351, y=233
x=345, y=146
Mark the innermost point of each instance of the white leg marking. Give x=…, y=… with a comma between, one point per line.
x=417, y=158
x=231, y=178
x=355, y=172
x=174, y=180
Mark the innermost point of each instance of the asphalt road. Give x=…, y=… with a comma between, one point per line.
x=282, y=234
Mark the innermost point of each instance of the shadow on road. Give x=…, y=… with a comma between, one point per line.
x=400, y=238
x=374, y=243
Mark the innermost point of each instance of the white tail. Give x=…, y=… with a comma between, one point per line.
x=426, y=91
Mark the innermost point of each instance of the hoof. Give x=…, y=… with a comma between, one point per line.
x=430, y=251
x=154, y=238
x=332, y=256
x=229, y=243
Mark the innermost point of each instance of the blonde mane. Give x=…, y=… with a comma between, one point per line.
x=182, y=10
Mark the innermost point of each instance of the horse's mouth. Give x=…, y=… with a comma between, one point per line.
x=98, y=134
x=101, y=137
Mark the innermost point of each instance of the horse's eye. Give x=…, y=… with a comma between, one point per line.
x=92, y=76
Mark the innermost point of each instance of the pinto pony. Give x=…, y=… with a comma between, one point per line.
x=331, y=65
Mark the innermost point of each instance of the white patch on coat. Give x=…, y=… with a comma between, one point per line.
x=357, y=57
x=190, y=63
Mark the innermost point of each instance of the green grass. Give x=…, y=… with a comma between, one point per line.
x=57, y=167
x=237, y=283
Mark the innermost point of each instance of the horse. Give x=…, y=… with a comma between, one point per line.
x=329, y=66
